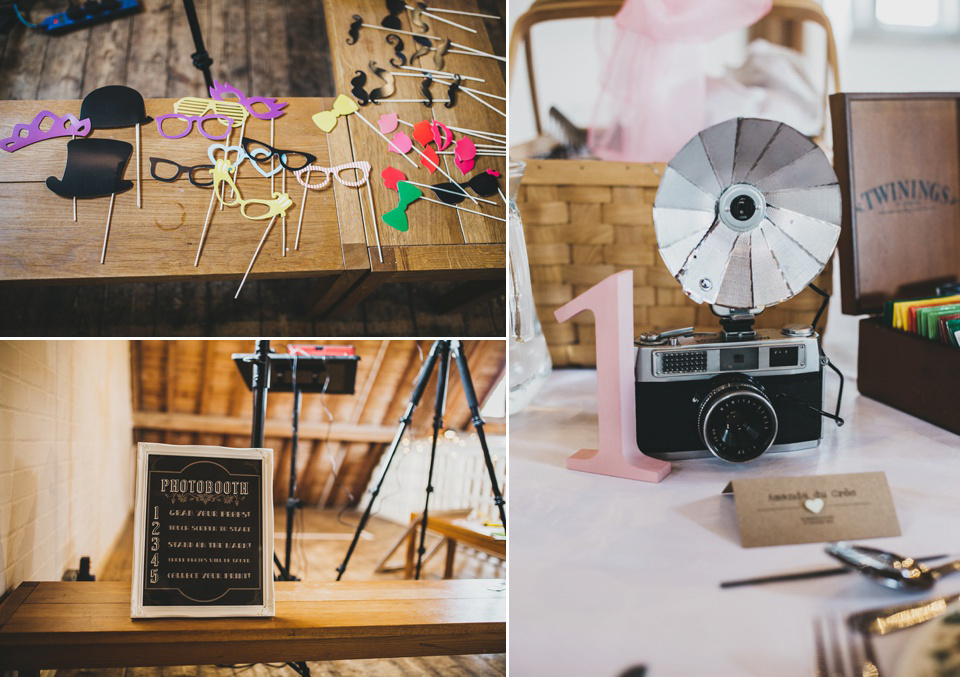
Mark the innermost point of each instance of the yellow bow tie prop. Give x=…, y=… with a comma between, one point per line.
x=326, y=120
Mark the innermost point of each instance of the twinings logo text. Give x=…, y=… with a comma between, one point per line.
x=905, y=195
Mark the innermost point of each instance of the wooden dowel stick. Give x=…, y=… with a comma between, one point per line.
x=272, y=184
x=106, y=232
x=471, y=50
x=382, y=135
x=206, y=224
x=479, y=153
x=138, y=165
x=303, y=203
x=486, y=94
x=444, y=190
x=236, y=170
x=447, y=21
x=283, y=218
x=474, y=53
x=491, y=107
x=448, y=74
x=74, y=199
x=225, y=153
x=256, y=253
x=376, y=222
x=440, y=202
x=444, y=172
x=489, y=136
x=460, y=11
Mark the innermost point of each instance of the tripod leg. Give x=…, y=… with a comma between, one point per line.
x=415, y=397
x=292, y=501
x=438, y=410
x=471, y=396
x=376, y=490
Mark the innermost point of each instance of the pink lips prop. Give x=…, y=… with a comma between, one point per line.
x=390, y=177
x=442, y=135
x=465, y=155
x=401, y=143
x=388, y=122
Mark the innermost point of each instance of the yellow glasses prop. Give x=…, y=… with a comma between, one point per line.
x=276, y=206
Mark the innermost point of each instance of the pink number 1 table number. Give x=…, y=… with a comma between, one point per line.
x=611, y=302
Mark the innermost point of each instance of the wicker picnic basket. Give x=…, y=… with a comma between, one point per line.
x=585, y=219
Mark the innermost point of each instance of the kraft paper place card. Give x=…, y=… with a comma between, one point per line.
x=813, y=509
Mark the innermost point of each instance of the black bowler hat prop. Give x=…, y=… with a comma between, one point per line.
x=94, y=169
x=114, y=106
x=117, y=106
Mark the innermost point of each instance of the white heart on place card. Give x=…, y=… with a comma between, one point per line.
x=814, y=505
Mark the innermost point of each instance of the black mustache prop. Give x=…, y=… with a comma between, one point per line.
x=392, y=20
x=397, y=42
x=452, y=91
x=482, y=184
x=442, y=49
x=425, y=90
x=389, y=86
x=359, y=80
x=354, y=30
x=417, y=20
x=423, y=48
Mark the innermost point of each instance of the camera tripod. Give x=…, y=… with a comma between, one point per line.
x=442, y=352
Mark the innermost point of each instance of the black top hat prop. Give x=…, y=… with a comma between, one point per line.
x=94, y=169
x=117, y=106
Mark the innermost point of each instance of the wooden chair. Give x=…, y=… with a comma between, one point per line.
x=551, y=10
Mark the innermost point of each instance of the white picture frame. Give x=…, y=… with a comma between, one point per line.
x=268, y=606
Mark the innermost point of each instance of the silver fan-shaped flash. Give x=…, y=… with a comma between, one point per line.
x=747, y=214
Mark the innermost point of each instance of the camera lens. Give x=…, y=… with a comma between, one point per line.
x=743, y=208
x=737, y=421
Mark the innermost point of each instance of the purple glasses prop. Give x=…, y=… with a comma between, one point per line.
x=222, y=90
x=199, y=121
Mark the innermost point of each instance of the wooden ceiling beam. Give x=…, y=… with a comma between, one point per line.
x=237, y=425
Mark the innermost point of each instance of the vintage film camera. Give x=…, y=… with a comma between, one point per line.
x=746, y=216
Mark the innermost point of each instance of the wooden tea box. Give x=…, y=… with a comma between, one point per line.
x=897, y=157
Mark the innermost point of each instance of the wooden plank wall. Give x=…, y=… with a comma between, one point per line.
x=276, y=48
x=190, y=392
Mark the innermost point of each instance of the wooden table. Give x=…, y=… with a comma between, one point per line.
x=454, y=530
x=441, y=243
x=41, y=242
x=87, y=625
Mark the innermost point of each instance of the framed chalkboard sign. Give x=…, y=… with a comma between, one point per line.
x=203, y=536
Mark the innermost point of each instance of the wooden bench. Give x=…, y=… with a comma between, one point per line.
x=454, y=530
x=87, y=625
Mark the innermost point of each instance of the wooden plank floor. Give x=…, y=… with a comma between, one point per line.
x=278, y=48
x=315, y=557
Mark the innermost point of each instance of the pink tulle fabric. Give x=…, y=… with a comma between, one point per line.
x=654, y=85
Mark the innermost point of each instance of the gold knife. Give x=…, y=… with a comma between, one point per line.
x=885, y=620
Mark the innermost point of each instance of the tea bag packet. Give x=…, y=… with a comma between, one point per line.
x=922, y=316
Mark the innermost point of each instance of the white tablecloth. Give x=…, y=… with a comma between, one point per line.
x=607, y=573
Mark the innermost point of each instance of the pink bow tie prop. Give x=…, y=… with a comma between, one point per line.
x=654, y=86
